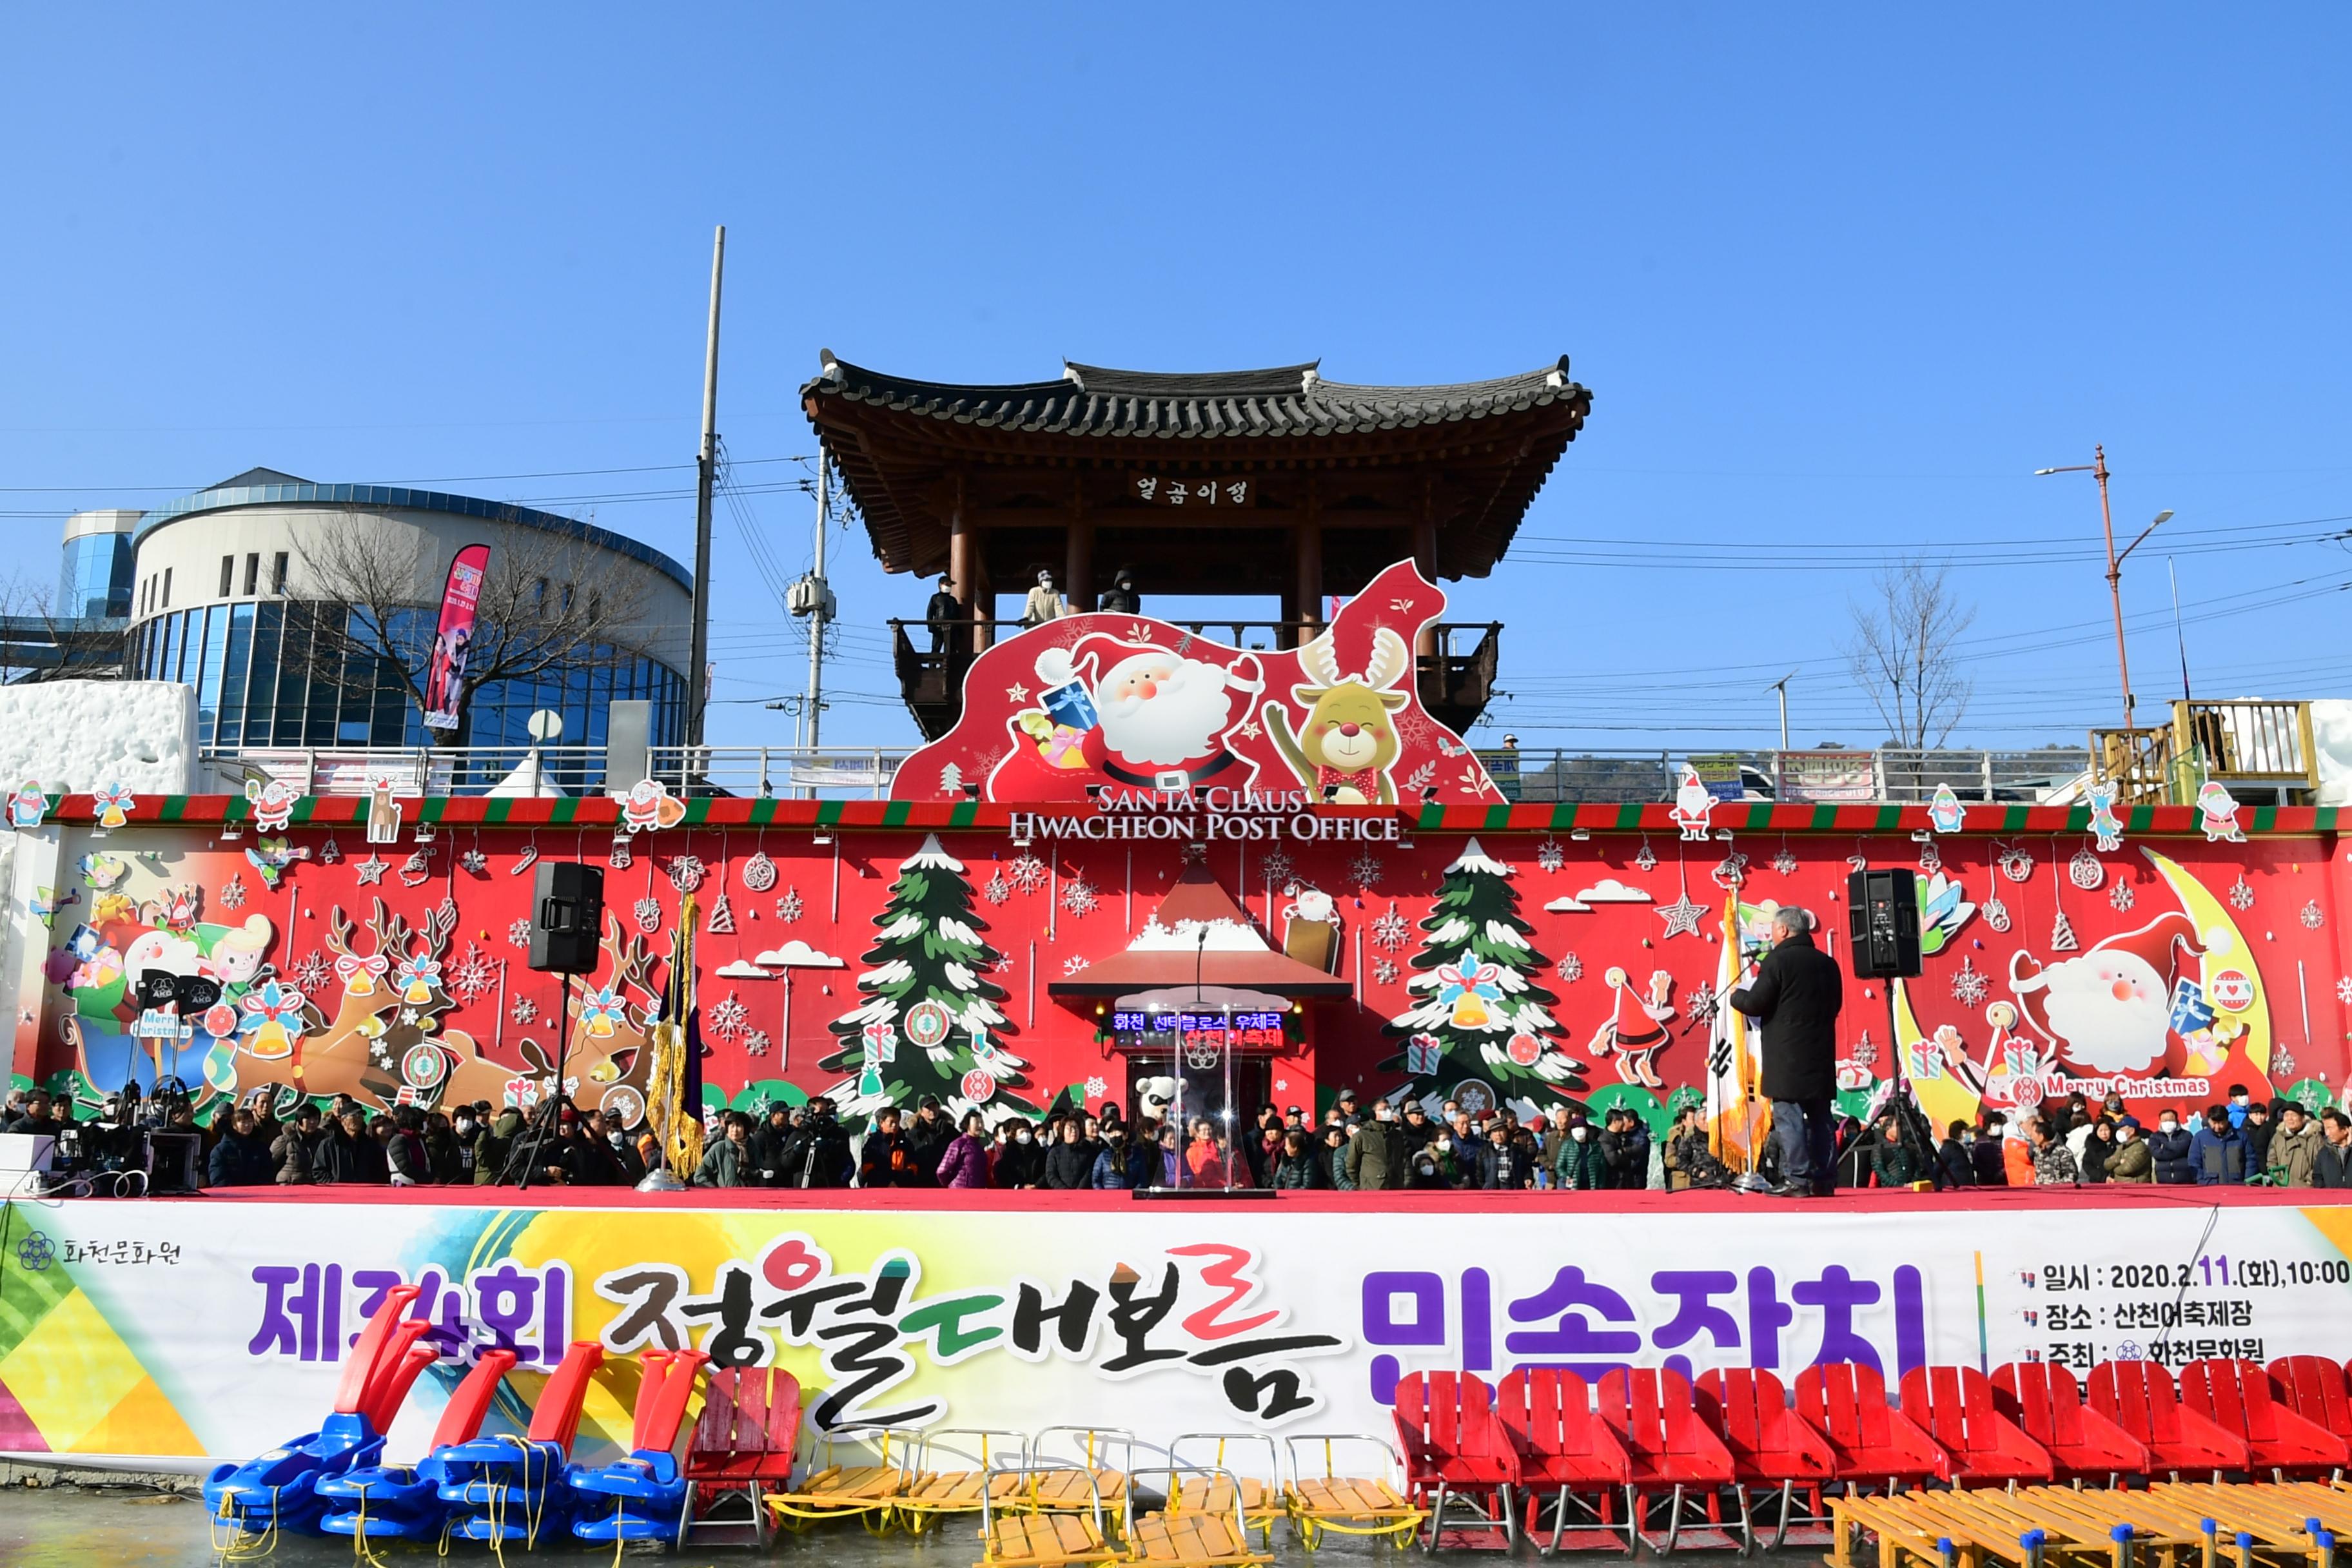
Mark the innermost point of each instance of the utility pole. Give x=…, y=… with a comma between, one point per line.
x=697, y=661
x=819, y=613
x=1781, y=686
x=2097, y=468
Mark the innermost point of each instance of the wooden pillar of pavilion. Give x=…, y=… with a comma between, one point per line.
x=1304, y=603
x=1425, y=555
x=1078, y=551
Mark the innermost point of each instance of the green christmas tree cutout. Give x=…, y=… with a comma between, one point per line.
x=927, y=1020
x=1480, y=1028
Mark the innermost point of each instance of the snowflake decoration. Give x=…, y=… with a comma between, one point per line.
x=1391, y=930
x=1865, y=1053
x=649, y=914
x=1996, y=915
x=1785, y=862
x=1571, y=968
x=1074, y=964
x=2281, y=1062
x=1275, y=866
x=1078, y=897
x=789, y=908
x=686, y=872
x=1384, y=971
x=1970, y=987
x=2017, y=864
x=727, y=1016
x=2311, y=917
x=1699, y=1003
x=755, y=1044
x=1097, y=1087
x=311, y=975
x=2343, y=990
x=2120, y=896
x=1549, y=856
x=524, y=1011
x=2241, y=894
x=620, y=858
x=474, y=862
x=329, y=852
x=759, y=872
x=2084, y=871
x=232, y=893
x=996, y=889
x=474, y=975
x=1365, y=869
x=722, y=916
x=1647, y=858
x=519, y=934
x=1028, y=873
x=2062, y=934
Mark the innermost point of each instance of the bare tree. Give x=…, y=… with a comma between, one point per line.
x=549, y=604
x=1901, y=654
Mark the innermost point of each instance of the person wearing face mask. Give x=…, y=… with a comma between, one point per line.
x=1581, y=1167
x=1986, y=1155
x=1020, y=1162
x=1376, y=1155
x=1502, y=1166
x=444, y=1152
x=2170, y=1148
x=1114, y=1162
x=2129, y=1163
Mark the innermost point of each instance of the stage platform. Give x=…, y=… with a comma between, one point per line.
x=217, y=1325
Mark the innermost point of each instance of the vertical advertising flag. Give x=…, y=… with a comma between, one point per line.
x=445, y=682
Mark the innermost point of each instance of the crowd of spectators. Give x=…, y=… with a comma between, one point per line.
x=1354, y=1148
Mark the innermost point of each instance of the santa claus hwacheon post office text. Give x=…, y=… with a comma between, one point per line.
x=1184, y=816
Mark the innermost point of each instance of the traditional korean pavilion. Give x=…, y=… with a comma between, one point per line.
x=1233, y=482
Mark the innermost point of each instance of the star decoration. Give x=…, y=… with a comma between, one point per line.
x=1250, y=729
x=1016, y=692
x=1682, y=916
x=371, y=870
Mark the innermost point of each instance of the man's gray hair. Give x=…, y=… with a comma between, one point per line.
x=1792, y=920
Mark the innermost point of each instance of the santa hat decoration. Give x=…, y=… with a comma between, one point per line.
x=2155, y=941
x=1632, y=1016
x=1098, y=652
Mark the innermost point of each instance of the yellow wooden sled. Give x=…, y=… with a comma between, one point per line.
x=831, y=1491
x=1070, y=1471
x=1201, y=1525
x=1371, y=1504
x=1015, y=1534
x=941, y=1486
x=1206, y=1479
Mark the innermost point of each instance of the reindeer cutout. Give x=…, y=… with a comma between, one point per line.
x=385, y=1044
x=1344, y=750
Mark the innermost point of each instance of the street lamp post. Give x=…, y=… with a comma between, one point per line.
x=2097, y=468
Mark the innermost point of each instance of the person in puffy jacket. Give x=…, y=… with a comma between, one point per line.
x=2219, y=1153
x=884, y=1159
x=1580, y=1166
x=2132, y=1162
x=1955, y=1168
x=292, y=1150
x=2017, y=1155
x=1070, y=1162
x=240, y=1159
x=1301, y=1168
x=1986, y=1155
x=1114, y=1169
x=727, y=1158
x=1894, y=1163
x=965, y=1162
x=2170, y=1147
x=2294, y=1148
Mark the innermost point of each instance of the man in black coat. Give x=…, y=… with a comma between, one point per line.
x=946, y=615
x=1796, y=996
x=2332, y=1167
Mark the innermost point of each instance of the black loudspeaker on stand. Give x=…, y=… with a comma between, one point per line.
x=1882, y=910
x=567, y=918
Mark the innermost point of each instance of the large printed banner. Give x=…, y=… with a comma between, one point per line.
x=178, y=1330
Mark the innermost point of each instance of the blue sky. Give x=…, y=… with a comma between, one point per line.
x=1839, y=279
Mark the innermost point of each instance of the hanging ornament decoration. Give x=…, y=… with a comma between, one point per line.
x=722, y=916
x=649, y=914
x=2062, y=934
x=1785, y=862
x=1730, y=871
x=2085, y=871
x=1384, y=971
x=474, y=863
x=331, y=852
x=524, y=1011
x=519, y=933
x=1969, y=986
x=727, y=1016
x=1549, y=856
x=1470, y=986
x=474, y=975
x=755, y=1044
x=789, y=907
x=1682, y=916
x=1996, y=915
x=2281, y=1062
x=1275, y=867
x=1931, y=859
x=1365, y=871
x=2120, y=896
x=2241, y=894
x=997, y=889
x=2016, y=863
x=621, y=857
x=2312, y=917
x=232, y=893
x=1028, y=873
x=686, y=872
x=1079, y=898
x=759, y=872
x=1647, y=858
x=1391, y=930
x=1571, y=968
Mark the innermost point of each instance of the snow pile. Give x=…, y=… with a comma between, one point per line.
x=75, y=736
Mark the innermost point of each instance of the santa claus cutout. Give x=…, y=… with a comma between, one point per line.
x=1141, y=718
x=1635, y=1029
x=2110, y=1010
